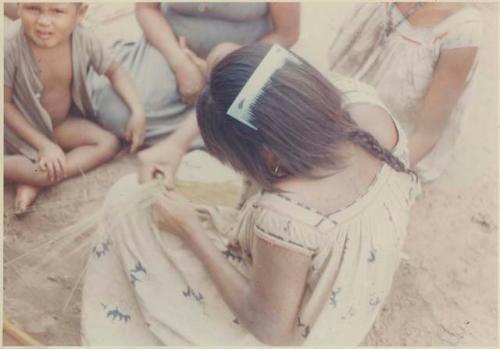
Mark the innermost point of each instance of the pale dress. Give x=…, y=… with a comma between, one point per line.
x=401, y=69
x=145, y=287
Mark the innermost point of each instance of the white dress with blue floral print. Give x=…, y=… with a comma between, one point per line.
x=145, y=287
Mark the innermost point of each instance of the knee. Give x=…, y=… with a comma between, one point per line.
x=109, y=145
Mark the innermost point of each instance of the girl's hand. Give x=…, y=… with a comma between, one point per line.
x=162, y=159
x=175, y=214
x=200, y=63
x=135, y=130
x=52, y=160
x=190, y=82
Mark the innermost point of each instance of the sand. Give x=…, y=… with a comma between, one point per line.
x=444, y=293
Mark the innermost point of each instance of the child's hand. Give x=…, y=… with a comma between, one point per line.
x=52, y=160
x=135, y=130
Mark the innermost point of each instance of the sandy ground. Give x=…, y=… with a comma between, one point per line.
x=443, y=294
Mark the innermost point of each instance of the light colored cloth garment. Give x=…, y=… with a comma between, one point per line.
x=144, y=286
x=204, y=25
x=21, y=75
x=402, y=68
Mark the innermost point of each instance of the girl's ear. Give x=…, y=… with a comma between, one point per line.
x=82, y=10
x=270, y=158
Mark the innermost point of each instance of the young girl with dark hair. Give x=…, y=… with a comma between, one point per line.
x=307, y=260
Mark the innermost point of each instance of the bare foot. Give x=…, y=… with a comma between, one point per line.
x=25, y=195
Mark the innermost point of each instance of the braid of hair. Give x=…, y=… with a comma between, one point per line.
x=366, y=141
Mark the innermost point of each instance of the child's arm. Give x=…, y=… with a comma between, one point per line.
x=51, y=156
x=124, y=87
x=445, y=89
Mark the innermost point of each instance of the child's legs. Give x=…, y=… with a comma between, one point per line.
x=19, y=169
x=86, y=145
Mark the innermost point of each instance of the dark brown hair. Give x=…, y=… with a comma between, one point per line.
x=299, y=117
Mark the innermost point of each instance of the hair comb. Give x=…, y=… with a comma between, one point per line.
x=241, y=108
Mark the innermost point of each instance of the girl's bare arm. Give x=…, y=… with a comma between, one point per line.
x=159, y=33
x=267, y=303
x=445, y=89
x=286, y=24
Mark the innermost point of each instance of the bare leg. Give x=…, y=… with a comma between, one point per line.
x=16, y=167
x=87, y=146
x=25, y=196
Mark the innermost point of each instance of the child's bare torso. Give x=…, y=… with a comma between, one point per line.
x=56, y=75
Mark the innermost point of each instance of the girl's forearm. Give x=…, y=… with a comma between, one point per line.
x=419, y=145
x=239, y=294
x=286, y=24
x=235, y=289
x=230, y=283
x=187, y=132
x=179, y=142
x=430, y=124
x=446, y=87
x=159, y=33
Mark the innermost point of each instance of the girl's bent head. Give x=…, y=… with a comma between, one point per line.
x=298, y=115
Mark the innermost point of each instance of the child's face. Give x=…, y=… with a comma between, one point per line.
x=49, y=24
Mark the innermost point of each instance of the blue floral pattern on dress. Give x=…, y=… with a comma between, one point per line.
x=333, y=296
x=306, y=329
x=231, y=255
x=373, y=255
x=116, y=314
x=102, y=248
x=133, y=273
x=191, y=293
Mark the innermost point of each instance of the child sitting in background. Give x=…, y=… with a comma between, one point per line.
x=49, y=133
